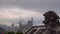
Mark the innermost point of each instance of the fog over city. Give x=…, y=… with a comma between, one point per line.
x=15, y=10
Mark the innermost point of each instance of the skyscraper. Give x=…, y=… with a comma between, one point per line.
x=30, y=23
x=20, y=26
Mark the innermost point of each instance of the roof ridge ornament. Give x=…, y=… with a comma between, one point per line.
x=51, y=21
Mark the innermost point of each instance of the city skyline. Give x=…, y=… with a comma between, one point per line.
x=11, y=10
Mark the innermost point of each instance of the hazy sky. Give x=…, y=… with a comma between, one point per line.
x=12, y=9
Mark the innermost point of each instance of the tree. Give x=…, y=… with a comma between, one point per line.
x=10, y=32
x=19, y=32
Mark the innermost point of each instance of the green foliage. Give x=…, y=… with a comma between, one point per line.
x=5, y=33
x=9, y=33
x=19, y=33
x=13, y=33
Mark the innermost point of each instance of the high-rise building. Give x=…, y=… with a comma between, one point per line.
x=30, y=22
x=20, y=26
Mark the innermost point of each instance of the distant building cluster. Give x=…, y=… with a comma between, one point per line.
x=21, y=27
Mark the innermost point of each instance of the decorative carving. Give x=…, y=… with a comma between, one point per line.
x=51, y=21
x=51, y=18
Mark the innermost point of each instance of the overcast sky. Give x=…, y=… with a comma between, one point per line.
x=11, y=9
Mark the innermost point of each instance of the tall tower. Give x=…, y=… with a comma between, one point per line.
x=20, y=26
x=30, y=22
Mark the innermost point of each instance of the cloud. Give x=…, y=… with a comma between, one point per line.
x=15, y=13
x=31, y=3
x=37, y=5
